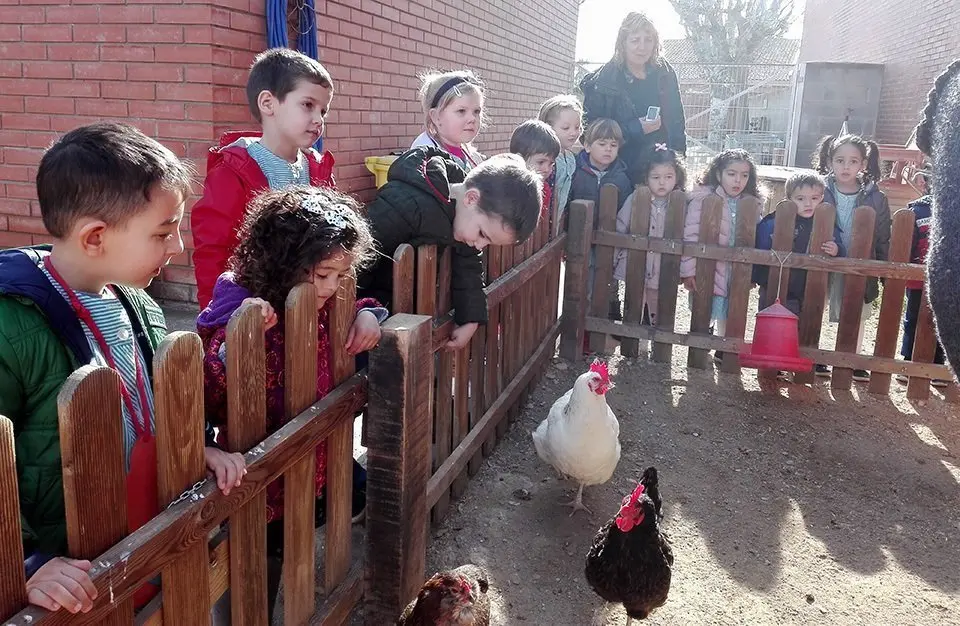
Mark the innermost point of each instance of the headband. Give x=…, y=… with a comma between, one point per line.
x=450, y=84
x=335, y=216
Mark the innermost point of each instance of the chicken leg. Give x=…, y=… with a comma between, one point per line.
x=577, y=503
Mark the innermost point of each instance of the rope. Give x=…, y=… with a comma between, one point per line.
x=780, y=271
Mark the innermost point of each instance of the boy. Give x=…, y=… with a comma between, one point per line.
x=806, y=191
x=429, y=199
x=112, y=199
x=289, y=95
x=537, y=144
x=598, y=165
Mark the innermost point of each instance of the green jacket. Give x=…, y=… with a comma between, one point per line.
x=41, y=343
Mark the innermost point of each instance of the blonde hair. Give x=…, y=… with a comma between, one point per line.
x=602, y=128
x=632, y=23
x=551, y=109
x=431, y=84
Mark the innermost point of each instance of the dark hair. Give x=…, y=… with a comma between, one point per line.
x=279, y=71
x=664, y=157
x=105, y=170
x=281, y=239
x=509, y=191
x=802, y=179
x=924, y=128
x=711, y=177
x=534, y=137
x=868, y=150
x=602, y=128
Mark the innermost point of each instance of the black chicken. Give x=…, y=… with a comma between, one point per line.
x=630, y=560
x=452, y=598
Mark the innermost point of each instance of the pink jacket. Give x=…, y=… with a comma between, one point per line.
x=657, y=218
x=691, y=233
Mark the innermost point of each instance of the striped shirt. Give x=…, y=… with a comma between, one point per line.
x=117, y=329
x=278, y=171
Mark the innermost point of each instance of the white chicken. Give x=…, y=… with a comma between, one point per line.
x=581, y=436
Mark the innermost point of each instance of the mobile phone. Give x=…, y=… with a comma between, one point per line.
x=653, y=113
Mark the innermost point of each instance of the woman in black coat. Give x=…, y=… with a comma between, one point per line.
x=636, y=78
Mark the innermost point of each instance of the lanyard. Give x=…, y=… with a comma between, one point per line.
x=141, y=427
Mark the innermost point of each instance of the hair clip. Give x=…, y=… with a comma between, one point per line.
x=660, y=147
x=335, y=216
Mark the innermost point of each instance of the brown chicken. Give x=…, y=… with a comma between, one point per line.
x=630, y=560
x=452, y=598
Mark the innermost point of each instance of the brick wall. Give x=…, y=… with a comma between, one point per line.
x=177, y=70
x=914, y=43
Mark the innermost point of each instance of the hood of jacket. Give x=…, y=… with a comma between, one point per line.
x=231, y=152
x=428, y=169
x=227, y=297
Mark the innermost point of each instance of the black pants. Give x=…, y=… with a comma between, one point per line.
x=910, y=319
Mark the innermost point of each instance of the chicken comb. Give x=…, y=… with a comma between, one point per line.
x=600, y=367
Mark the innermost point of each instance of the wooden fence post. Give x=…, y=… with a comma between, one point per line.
x=891, y=306
x=13, y=592
x=748, y=214
x=669, y=275
x=861, y=247
x=604, y=286
x=815, y=293
x=579, y=236
x=700, y=314
x=94, y=470
x=398, y=465
x=492, y=380
x=636, y=270
x=178, y=394
x=924, y=350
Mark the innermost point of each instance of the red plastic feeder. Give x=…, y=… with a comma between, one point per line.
x=776, y=342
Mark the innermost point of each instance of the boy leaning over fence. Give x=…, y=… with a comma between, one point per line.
x=112, y=199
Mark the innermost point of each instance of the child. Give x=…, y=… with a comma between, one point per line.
x=663, y=172
x=536, y=143
x=289, y=236
x=429, y=199
x=732, y=175
x=806, y=191
x=453, y=114
x=598, y=165
x=565, y=115
x=852, y=167
x=112, y=199
x=289, y=95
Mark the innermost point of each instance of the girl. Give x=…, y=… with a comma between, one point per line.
x=288, y=237
x=731, y=175
x=663, y=172
x=565, y=115
x=453, y=111
x=852, y=168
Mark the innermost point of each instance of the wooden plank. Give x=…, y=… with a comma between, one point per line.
x=580, y=220
x=710, y=217
x=491, y=367
x=127, y=565
x=398, y=466
x=443, y=477
x=13, y=592
x=784, y=225
x=461, y=412
x=636, y=277
x=403, y=279
x=338, y=606
x=94, y=473
x=247, y=425
x=339, y=543
x=299, y=487
x=673, y=224
x=443, y=410
x=477, y=389
x=891, y=306
x=426, y=303
x=509, y=350
x=603, y=283
x=815, y=291
x=924, y=349
x=178, y=397
x=741, y=283
x=851, y=307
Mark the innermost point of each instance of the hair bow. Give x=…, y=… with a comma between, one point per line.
x=335, y=216
x=660, y=147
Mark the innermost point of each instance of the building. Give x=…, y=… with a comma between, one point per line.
x=177, y=70
x=913, y=43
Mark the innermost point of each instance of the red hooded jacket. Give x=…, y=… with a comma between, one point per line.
x=233, y=179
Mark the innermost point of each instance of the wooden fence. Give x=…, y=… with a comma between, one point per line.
x=460, y=402
x=195, y=570
x=581, y=315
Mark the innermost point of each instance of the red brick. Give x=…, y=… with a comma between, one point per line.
x=73, y=52
x=127, y=14
x=158, y=72
x=10, y=32
x=15, y=173
x=11, y=69
x=47, y=69
x=99, y=71
x=158, y=110
x=107, y=108
x=184, y=53
x=129, y=90
x=24, y=15
x=50, y=106
x=23, y=86
x=47, y=33
x=23, y=51
x=186, y=92
x=23, y=194
x=246, y=23
x=183, y=15
x=75, y=88
x=21, y=224
x=100, y=33
x=155, y=33
x=72, y=15
x=14, y=240
x=126, y=53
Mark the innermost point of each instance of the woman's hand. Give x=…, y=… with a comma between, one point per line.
x=269, y=315
x=461, y=336
x=650, y=126
x=831, y=248
x=364, y=334
x=62, y=583
x=227, y=467
x=690, y=283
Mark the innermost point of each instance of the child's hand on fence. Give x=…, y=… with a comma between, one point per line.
x=364, y=334
x=461, y=336
x=62, y=583
x=690, y=283
x=227, y=467
x=269, y=315
x=830, y=248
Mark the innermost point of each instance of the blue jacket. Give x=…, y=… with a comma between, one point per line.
x=586, y=185
x=923, y=212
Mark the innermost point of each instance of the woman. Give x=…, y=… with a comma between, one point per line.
x=636, y=78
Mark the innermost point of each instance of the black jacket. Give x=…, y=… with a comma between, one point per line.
x=414, y=207
x=586, y=185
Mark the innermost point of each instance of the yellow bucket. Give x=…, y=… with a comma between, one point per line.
x=379, y=166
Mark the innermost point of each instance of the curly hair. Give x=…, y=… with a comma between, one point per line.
x=665, y=157
x=869, y=151
x=281, y=240
x=711, y=177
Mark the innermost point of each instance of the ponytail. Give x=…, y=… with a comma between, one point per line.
x=871, y=171
x=821, y=156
